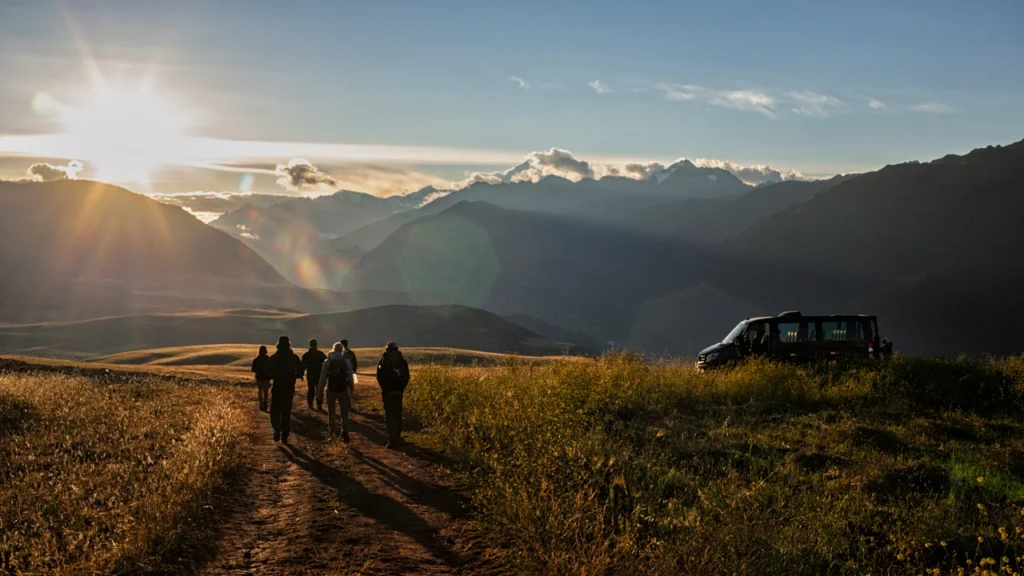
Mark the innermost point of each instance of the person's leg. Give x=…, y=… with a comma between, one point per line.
x=264, y=388
x=319, y=397
x=345, y=402
x=275, y=412
x=332, y=422
x=390, y=416
x=398, y=415
x=286, y=413
x=310, y=391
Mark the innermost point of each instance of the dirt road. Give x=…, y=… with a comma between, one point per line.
x=320, y=506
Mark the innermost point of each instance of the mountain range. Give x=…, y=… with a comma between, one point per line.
x=665, y=264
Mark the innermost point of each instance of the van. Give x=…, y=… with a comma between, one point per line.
x=791, y=336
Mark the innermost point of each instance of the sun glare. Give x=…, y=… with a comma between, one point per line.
x=125, y=134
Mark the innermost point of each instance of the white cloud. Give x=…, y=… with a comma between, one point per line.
x=876, y=104
x=679, y=92
x=599, y=87
x=522, y=83
x=562, y=163
x=747, y=100
x=755, y=174
x=933, y=108
x=815, y=105
x=43, y=172
x=299, y=175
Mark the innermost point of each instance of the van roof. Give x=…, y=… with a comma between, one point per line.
x=812, y=316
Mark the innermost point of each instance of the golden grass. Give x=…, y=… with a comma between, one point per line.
x=618, y=466
x=107, y=478
x=239, y=356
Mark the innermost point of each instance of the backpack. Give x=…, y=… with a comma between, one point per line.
x=337, y=376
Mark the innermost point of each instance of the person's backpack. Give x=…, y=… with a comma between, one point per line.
x=337, y=376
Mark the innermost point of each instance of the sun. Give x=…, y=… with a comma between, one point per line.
x=125, y=134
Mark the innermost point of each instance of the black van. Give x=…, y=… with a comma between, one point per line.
x=793, y=336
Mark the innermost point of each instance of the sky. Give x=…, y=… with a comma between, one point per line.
x=388, y=96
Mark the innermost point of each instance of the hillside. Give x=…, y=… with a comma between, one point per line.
x=89, y=230
x=434, y=326
x=934, y=247
x=292, y=234
x=712, y=220
x=568, y=273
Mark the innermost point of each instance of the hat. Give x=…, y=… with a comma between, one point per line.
x=391, y=346
x=283, y=342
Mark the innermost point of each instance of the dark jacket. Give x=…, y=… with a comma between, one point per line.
x=312, y=363
x=285, y=368
x=261, y=366
x=351, y=356
x=392, y=372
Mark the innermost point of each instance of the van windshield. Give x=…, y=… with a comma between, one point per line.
x=732, y=336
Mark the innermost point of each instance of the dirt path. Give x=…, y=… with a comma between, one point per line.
x=322, y=507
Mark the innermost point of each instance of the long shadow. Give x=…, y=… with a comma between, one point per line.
x=309, y=426
x=437, y=497
x=383, y=509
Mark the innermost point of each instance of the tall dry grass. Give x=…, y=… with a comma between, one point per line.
x=99, y=479
x=617, y=466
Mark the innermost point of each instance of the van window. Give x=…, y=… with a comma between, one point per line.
x=792, y=332
x=842, y=330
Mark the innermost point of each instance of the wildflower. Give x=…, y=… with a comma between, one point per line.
x=981, y=506
x=981, y=479
x=928, y=545
x=942, y=543
x=899, y=556
x=980, y=539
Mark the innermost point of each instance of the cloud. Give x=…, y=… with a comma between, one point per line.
x=385, y=181
x=816, y=105
x=562, y=163
x=755, y=174
x=933, y=108
x=299, y=175
x=522, y=83
x=599, y=87
x=43, y=172
x=679, y=92
x=876, y=104
x=212, y=204
x=746, y=100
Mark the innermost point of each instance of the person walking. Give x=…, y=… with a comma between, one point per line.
x=393, y=377
x=312, y=363
x=350, y=355
x=285, y=369
x=336, y=376
x=261, y=367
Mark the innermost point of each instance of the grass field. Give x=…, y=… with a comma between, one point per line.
x=109, y=477
x=616, y=466
x=239, y=356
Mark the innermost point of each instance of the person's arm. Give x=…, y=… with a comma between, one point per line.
x=404, y=368
x=254, y=361
x=323, y=378
x=349, y=381
x=355, y=363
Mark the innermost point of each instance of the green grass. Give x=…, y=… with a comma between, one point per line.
x=99, y=479
x=618, y=466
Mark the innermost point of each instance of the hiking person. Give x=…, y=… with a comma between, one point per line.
x=261, y=367
x=393, y=377
x=350, y=355
x=285, y=369
x=312, y=363
x=337, y=377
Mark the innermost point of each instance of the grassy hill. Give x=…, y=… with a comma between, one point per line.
x=82, y=229
x=437, y=326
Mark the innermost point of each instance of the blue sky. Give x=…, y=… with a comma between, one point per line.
x=820, y=87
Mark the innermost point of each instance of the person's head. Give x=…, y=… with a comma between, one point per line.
x=344, y=342
x=391, y=347
x=284, y=342
x=312, y=344
x=263, y=350
x=338, y=346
